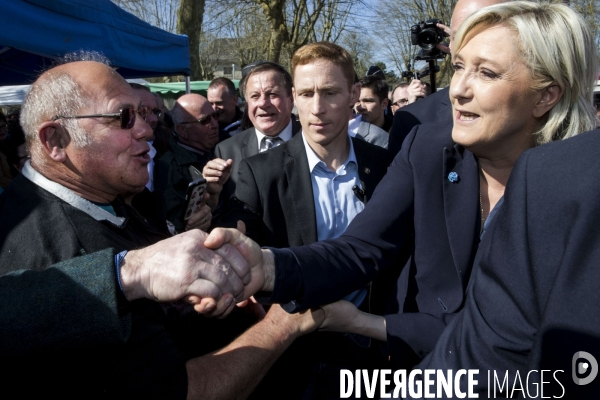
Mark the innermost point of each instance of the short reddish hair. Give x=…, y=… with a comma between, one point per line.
x=328, y=51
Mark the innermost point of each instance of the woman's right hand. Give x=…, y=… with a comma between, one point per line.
x=343, y=316
x=339, y=316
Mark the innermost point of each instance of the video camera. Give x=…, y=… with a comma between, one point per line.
x=427, y=35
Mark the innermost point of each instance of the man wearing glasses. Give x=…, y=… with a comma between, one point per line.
x=197, y=133
x=405, y=94
x=98, y=330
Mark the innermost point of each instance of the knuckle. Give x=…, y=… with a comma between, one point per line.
x=219, y=262
x=186, y=239
x=224, y=268
x=238, y=289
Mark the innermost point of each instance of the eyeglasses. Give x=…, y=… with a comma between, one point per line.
x=204, y=120
x=145, y=112
x=125, y=115
x=401, y=102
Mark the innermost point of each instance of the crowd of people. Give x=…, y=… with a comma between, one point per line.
x=342, y=226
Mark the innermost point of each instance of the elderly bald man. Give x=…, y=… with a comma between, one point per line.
x=197, y=130
x=100, y=331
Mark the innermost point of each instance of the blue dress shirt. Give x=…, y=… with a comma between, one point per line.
x=336, y=205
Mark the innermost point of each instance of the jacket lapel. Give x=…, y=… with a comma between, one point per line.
x=364, y=169
x=461, y=206
x=250, y=145
x=300, y=186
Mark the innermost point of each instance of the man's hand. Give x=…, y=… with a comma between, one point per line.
x=448, y=32
x=181, y=267
x=261, y=261
x=234, y=371
x=216, y=172
x=202, y=218
x=415, y=90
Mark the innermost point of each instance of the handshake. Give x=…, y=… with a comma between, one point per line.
x=211, y=272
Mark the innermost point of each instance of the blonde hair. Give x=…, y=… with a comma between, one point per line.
x=558, y=48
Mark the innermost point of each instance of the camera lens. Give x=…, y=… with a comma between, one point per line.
x=427, y=39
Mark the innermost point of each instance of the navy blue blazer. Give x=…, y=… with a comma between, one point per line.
x=534, y=298
x=418, y=221
x=435, y=107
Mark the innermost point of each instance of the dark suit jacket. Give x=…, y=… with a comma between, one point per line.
x=417, y=218
x=275, y=192
x=433, y=108
x=533, y=300
x=37, y=229
x=274, y=197
x=238, y=148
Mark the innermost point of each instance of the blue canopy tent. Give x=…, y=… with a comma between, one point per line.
x=35, y=32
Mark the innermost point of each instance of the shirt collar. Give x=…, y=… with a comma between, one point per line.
x=152, y=151
x=314, y=160
x=353, y=125
x=70, y=197
x=285, y=135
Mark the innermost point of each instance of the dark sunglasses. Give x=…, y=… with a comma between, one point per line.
x=125, y=115
x=204, y=120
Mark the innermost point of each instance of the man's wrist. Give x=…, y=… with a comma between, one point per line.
x=284, y=326
x=128, y=272
x=268, y=270
x=118, y=261
x=215, y=189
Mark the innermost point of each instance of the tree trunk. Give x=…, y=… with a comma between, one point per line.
x=189, y=22
x=273, y=10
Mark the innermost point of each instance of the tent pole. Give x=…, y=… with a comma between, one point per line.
x=187, y=85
